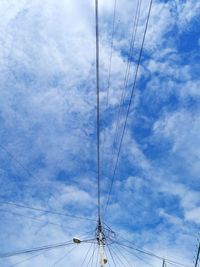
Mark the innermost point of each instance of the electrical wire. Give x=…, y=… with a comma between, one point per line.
x=46, y=211
x=126, y=78
x=93, y=253
x=91, y=257
x=111, y=50
x=97, y=258
x=24, y=168
x=32, y=250
x=42, y=248
x=98, y=104
x=153, y=255
x=109, y=73
x=27, y=259
x=28, y=217
x=127, y=261
x=125, y=84
x=136, y=256
x=86, y=255
x=62, y=258
x=118, y=257
x=130, y=102
x=111, y=256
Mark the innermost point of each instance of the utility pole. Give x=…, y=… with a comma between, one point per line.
x=197, y=258
x=100, y=235
x=164, y=263
x=101, y=242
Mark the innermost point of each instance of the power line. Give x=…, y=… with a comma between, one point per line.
x=126, y=78
x=141, y=259
x=46, y=211
x=153, y=255
x=119, y=259
x=132, y=42
x=92, y=256
x=119, y=251
x=86, y=255
x=42, y=248
x=109, y=72
x=27, y=259
x=24, y=168
x=28, y=217
x=111, y=255
x=125, y=84
x=93, y=253
x=111, y=50
x=32, y=250
x=17, y=161
x=130, y=102
x=97, y=100
x=62, y=258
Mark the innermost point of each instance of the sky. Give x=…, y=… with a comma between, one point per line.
x=48, y=128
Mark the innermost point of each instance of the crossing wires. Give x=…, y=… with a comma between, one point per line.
x=129, y=103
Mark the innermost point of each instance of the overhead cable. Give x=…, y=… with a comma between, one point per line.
x=153, y=255
x=46, y=211
x=125, y=83
x=130, y=102
x=32, y=250
x=98, y=104
x=109, y=73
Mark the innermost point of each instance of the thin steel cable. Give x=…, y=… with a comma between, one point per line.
x=33, y=250
x=117, y=257
x=24, y=168
x=94, y=249
x=62, y=258
x=130, y=102
x=98, y=104
x=47, y=211
x=123, y=256
x=109, y=74
x=136, y=256
x=86, y=255
x=153, y=255
x=111, y=52
x=126, y=79
x=97, y=257
x=37, y=249
x=111, y=256
x=125, y=84
x=127, y=73
x=91, y=257
x=28, y=217
x=29, y=258
x=17, y=161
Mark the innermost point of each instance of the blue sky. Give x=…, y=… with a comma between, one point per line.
x=47, y=124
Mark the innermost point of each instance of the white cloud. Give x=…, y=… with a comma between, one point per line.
x=47, y=95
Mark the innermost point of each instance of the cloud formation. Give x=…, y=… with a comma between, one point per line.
x=48, y=116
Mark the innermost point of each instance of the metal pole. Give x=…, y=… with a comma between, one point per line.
x=100, y=238
x=197, y=258
x=164, y=263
